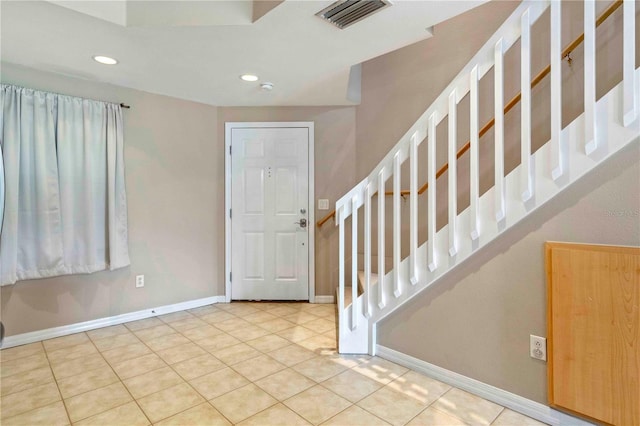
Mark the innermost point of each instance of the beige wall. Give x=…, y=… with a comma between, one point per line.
x=335, y=132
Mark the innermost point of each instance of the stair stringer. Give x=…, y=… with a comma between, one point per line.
x=613, y=137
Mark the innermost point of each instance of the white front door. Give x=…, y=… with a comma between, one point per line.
x=269, y=213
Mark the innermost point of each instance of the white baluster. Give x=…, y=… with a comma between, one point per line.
x=396, y=225
x=525, y=107
x=452, y=173
x=431, y=192
x=498, y=74
x=630, y=91
x=474, y=166
x=341, y=270
x=367, y=251
x=413, y=206
x=381, y=229
x=590, y=134
x=354, y=262
x=556, y=90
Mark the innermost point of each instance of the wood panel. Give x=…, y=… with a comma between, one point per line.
x=594, y=331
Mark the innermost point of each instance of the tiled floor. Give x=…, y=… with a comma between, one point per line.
x=239, y=363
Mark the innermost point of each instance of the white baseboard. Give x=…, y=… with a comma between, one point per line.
x=49, y=333
x=324, y=299
x=502, y=397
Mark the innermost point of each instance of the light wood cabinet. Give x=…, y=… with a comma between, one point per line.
x=594, y=331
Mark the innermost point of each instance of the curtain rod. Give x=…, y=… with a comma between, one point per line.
x=124, y=106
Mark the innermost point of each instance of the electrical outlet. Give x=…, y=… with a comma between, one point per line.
x=323, y=204
x=139, y=280
x=538, y=347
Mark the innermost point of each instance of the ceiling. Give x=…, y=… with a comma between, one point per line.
x=196, y=50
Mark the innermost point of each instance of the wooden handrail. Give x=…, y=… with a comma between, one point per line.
x=512, y=103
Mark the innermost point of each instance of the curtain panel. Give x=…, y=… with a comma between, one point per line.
x=65, y=209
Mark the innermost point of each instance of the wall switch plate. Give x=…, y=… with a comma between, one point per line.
x=139, y=280
x=323, y=204
x=538, y=347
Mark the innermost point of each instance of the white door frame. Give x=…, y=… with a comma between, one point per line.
x=227, y=198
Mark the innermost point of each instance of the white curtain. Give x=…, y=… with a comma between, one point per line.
x=65, y=201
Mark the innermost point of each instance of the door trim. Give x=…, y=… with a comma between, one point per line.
x=309, y=125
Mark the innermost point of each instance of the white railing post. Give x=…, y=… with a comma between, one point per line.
x=431, y=192
x=381, y=238
x=367, y=251
x=341, y=271
x=630, y=91
x=556, y=90
x=413, y=206
x=397, y=258
x=590, y=133
x=498, y=75
x=452, y=173
x=525, y=107
x=474, y=165
x=354, y=262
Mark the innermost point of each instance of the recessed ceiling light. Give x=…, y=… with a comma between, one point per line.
x=105, y=60
x=249, y=77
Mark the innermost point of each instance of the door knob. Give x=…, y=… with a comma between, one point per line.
x=302, y=223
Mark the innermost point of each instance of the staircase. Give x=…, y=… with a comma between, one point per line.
x=605, y=127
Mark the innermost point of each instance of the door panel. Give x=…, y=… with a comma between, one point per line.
x=269, y=197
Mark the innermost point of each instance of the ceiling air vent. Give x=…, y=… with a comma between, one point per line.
x=344, y=13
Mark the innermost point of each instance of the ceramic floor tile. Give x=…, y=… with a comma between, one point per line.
x=118, y=341
x=175, y=316
x=285, y=384
x=249, y=333
x=166, y=341
x=65, y=341
x=317, y=404
x=87, y=381
x=203, y=414
x=203, y=310
x=22, y=351
x=203, y=332
x=218, y=383
x=259, y=317
x=348, y=361
x=117, y=355
x=97, y=401
x=319, y=369
x=71, y=352
x=467, y=407
x=187, y=324
x=419, y=387
x=510, y=418
x=27, y=400
x=243, y=402
x=391, y=406
x=323, y=310
x=104, y=332
x=296, y=334
x=282, y=311
x=169, y=402
x=355, y=416
x=128, y=414
x=431, y=416
x=49, y=415
x=300, y=317
x=276, y=325
x=351, y=385
x=268, y=343
x=217, y=317
x=242, y=309
x=218, y=342
x=277, y=415
x=144, y=323
x=26, y=380
x=147, y=334
x=198, y=366
x=232, y=324
x=291, y=355
x=181, y=353
x=258, y=367
x=136, y=366
x=235, y=354
x=152, y=382
x=22, y=365
x=78, y=366
x=380, y=370
x=320, y=344
x=320, y=325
